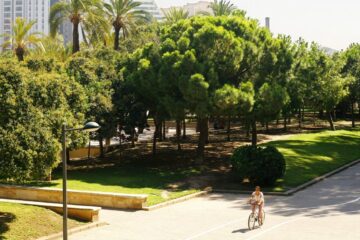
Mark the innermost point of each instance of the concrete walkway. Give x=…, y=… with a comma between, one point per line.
x=329, y=210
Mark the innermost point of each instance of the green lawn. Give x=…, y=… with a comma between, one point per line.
x=133, y=180
x=22, y=222
x=307, y=155
x=311, y=155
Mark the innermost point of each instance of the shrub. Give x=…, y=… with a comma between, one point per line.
x=260, y=165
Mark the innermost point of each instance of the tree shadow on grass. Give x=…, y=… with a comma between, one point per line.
x=309, y=159
x=5, y=219
x=132, y=177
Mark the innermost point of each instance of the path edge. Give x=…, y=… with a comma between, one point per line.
x=178, y=200
x=74, y=230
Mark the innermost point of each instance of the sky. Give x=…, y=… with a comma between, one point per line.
x=331, y=23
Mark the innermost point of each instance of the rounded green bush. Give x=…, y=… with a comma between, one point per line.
x=260, y=165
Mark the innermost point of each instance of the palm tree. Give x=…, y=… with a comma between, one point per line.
x=124, y=17
x=21, y=37
x=222, y=8
x=52, y=48
x=78, y=12
x=176, y=14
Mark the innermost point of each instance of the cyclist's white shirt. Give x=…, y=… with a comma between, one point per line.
x=258, y=198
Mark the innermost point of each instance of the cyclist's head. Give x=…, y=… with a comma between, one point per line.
x=257, y=188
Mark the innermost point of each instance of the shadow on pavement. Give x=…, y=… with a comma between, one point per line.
x=339, y=194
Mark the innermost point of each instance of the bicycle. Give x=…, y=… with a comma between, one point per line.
x=253, y=219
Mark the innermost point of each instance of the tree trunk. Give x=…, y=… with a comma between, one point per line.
x=267, y=126
x=76, y=37
x=156, y=134
x=228, y=128
x=20, y=52
x=117, y=38
x=203, y=128
x=285, y=123
x=178, y=134
x=206, y=129
x=253, y=133
x=247, y=126
x=332, y=126
x=352, y=115
x=160, y=133
x=164, y=130
x=101, y=144
x=184, y=129
x=300, y=119
x=107, y=144
x=334, y=116
x=303, y=114
x=132, y=137
x=277, y=122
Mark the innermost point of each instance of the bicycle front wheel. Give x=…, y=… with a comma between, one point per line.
x=251, y=221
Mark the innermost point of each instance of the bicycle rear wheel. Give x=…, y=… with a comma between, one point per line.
x=251, y=221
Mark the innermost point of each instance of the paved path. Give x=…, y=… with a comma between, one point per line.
x=329, y=210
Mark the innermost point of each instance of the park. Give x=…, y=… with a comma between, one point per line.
x=140, y=128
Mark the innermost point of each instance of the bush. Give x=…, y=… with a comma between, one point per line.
x=260, y=165
x=27, y=152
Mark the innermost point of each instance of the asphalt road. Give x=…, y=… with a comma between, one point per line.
x=328, y=210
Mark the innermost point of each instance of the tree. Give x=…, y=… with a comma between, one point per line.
x=78, y=12
x=351, y=69
x=173, y=15
x=218, y=51
x=141, y=72
x=21, y=37
x=222, y=7
x=271, y=99
x=95, y=71
x=233, y=101
x=51, y=48
x=327, y=86
x=299, y=83
x=124, y=17
x=36, y=100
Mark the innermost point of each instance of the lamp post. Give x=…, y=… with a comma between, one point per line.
x=88, y=127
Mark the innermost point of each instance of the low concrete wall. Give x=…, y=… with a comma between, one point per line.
x=90, y=214
x=83, y=152
x=87, y=213
x=99, y=199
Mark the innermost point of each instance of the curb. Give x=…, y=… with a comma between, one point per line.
x=296, y=189
x=74, y=230
x=250, y=192
x=177, y=200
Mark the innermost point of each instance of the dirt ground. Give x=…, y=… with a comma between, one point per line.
x=216, y=166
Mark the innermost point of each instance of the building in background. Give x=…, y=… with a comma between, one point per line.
x=151, y=7
x=29, y=9
x=65, y=28
x=193, y=8
x=39, y=10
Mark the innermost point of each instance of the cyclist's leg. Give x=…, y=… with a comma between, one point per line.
x=253, y=206
x=260, y=211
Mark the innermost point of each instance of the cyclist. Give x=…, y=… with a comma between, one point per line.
x=257, y=199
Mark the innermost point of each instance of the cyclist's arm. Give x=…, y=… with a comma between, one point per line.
x=261, y=199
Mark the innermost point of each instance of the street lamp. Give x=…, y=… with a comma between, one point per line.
x=88, y=127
